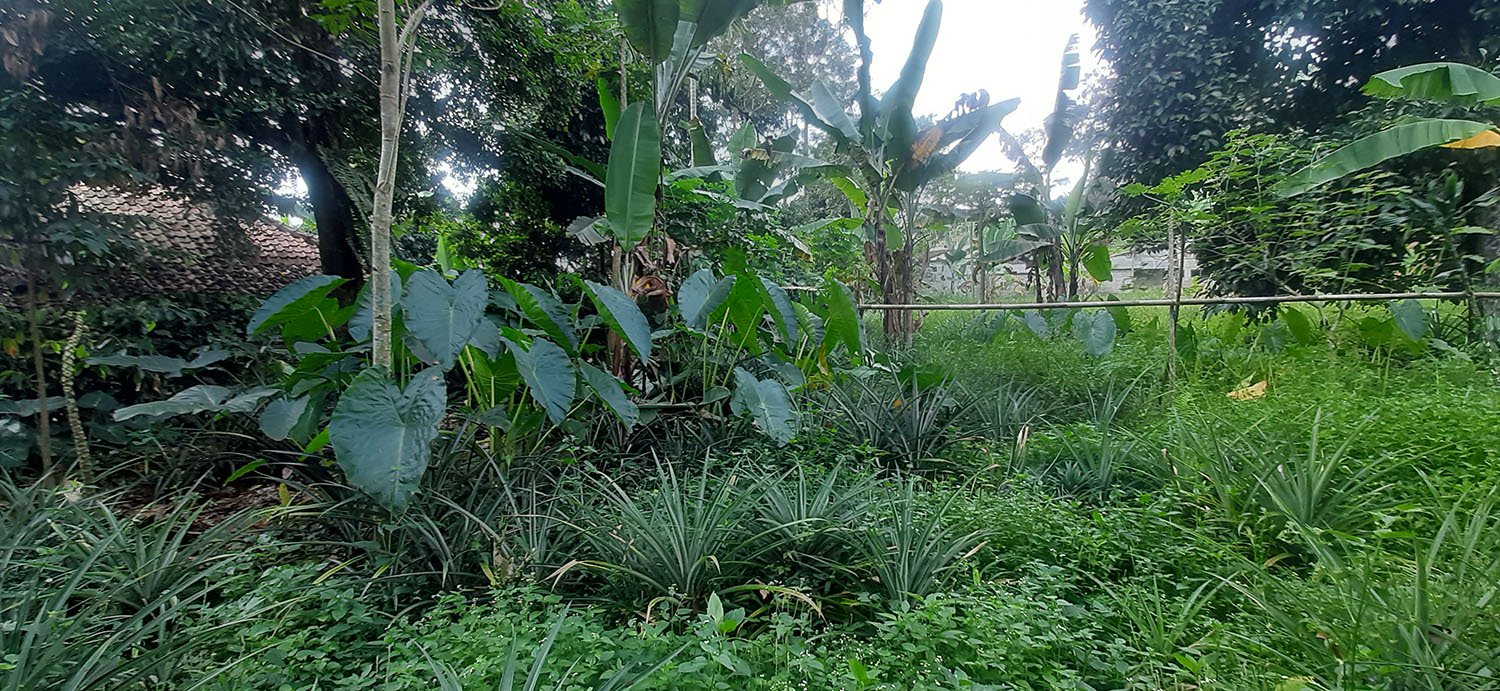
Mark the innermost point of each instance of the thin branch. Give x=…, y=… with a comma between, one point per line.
x=342, y=64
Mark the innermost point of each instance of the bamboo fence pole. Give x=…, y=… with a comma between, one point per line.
x=1168, y=302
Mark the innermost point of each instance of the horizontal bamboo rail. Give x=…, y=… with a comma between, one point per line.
x=1166, y=302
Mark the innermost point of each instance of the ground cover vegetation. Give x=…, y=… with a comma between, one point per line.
x=615, y=419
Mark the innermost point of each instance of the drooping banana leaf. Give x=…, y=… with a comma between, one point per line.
x=1441, y=82
x=634, y=171
x=1378, y=148
x=649, y=25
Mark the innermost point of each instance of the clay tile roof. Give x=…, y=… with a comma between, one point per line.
x=186, y=247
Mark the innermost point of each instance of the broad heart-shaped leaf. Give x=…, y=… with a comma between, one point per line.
x=204, y=398
x=766, y=403
x=633, y=175
x=649, y=25
x=841, y=322
x=1037, y=323
x=1410, y=318
x=296, y=299
x=281, y=415
x=493, y=378
x=168, y=366
x=382, y=436
x=612, y=393
x=1299, y=325
x=692, y=297
x=622, y=315
x=1378, y=148
x=15, y=442
x=1096, y=330
x=549, y=375
x=443, y=317
x=1441, y=82
x=544, y=311
x=1097, y=263
x=743, y=309
x=362, y=321
x=780, y=307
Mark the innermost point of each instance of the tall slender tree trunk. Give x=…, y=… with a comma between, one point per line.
x=385, y=186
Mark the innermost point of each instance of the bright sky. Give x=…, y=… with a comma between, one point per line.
x=1012, y=48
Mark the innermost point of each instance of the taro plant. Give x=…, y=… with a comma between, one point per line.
x=522, y=351
x=755, y=346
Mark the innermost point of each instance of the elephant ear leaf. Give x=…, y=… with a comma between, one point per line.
x=622, y=315
x=1410, y=319
x=545, y=311
x=766, y=403
x=1097, y=331
x=291, y=302
x=443, y=317
x=549, y=375
x=382, y=435
x=841, y=323
x=612, y=393
x=780, y=307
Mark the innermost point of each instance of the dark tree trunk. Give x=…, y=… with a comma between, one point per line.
x=333, y=212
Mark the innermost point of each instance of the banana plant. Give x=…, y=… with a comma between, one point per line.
x=671, y=35
x=1061, y=246
x=1445, y=83
x=891, y=157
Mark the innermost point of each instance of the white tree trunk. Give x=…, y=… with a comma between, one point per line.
x=385, y=186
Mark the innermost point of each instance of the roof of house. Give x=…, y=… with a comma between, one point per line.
x=187, y=247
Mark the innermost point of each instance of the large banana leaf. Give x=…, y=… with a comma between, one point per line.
x=634, y=171
x=956, y=141
x=1378, y=148
x=649, y=25
x=1442, y=82
x=896, y=120
x=821, y=109
x=1059, y=124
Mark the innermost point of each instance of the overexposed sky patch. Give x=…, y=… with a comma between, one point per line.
x=1012, y=48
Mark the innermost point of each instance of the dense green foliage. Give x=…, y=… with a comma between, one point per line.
x=634, y=431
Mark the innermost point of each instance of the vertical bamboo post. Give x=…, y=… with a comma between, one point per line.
x=1174, y=287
